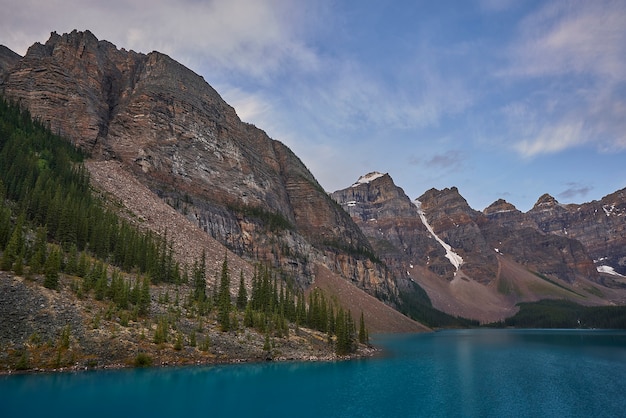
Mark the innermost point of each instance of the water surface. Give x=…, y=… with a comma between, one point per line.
x=469, y=373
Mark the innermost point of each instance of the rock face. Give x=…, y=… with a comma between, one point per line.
x=462, y=256
x=170, y=129
x=8, y=59
x=599, y=225
x=389, y=219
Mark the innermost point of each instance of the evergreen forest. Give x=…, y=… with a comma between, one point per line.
x=54, y=225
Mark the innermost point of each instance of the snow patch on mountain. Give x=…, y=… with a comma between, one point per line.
x=609, y=270
x=368, y=178
x=455, y=259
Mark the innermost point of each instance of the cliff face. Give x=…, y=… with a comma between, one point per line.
x=599, y=225
x=480, y=264
x=389, y=219
x=8, y=59
x=173, y=131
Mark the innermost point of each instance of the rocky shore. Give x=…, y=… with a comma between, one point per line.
x=43, y=330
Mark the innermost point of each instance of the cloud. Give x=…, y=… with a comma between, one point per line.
x=254, y=37
x=568, y=66
x=552, y=138
x=447, y=160
x=574, y=190
x=572, y=37
x=251, y=108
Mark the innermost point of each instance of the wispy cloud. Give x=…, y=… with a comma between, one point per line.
x=254, y=37
x=575, y=190
x=573, y=37
x=447, y=160
x=250, y=107
x=577, y=51
x=552, y=138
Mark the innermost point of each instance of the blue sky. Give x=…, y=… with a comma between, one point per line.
x=501, y=98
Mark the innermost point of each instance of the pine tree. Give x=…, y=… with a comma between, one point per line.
x=223, y=302
x=14, y=246
x=72, y=260
x=363, y=337
x=242, y=294
x=52, y=268
x=199, y=278
x=5, y=224
x=38, y=257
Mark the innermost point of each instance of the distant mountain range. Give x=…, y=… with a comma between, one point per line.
x=481, y=264
x=147, y=120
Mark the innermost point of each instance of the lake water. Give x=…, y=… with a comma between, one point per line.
x=467, y=373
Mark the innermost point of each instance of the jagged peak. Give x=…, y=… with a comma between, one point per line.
x=75, y=39
x=500, y=206
x=368, y=178
x=448, y=193
x=546, y=200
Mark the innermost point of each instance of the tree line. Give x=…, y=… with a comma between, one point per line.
x=566, y=314
x=272, y=303
x=51, y=222
x=49, y=214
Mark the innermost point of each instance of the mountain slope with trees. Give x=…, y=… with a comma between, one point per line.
x=83, y=286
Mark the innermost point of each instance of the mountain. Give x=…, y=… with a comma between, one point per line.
x=168, y=128
x=481, y=264
x=171, y=158
x=159, y=136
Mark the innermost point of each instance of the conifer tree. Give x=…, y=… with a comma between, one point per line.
x=5, y=224
x=14, y=246
x=242, y=294
x=199, y=278
x=72, y=260
x=223, y=302
x=363, y=337
x=52, y=268
x=38, y=257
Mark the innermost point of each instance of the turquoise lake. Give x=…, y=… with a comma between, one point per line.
x=462, y=373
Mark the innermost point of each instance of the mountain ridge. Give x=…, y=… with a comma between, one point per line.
x=168, y=128
x=497, y=256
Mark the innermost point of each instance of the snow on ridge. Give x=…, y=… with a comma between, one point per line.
x=611, y=210
x=501, y=211
x=609, y=270
x=368, y=178
x=455, y=259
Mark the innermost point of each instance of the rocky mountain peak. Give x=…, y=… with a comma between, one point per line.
x=166, y=127
x=8, y=59
x=369, y=177
x=546, y=201
x=448, y=200
x=500, y=206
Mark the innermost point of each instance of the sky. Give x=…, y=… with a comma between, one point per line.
x=503, y=99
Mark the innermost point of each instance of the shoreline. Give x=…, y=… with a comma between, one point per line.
x=363, y=353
